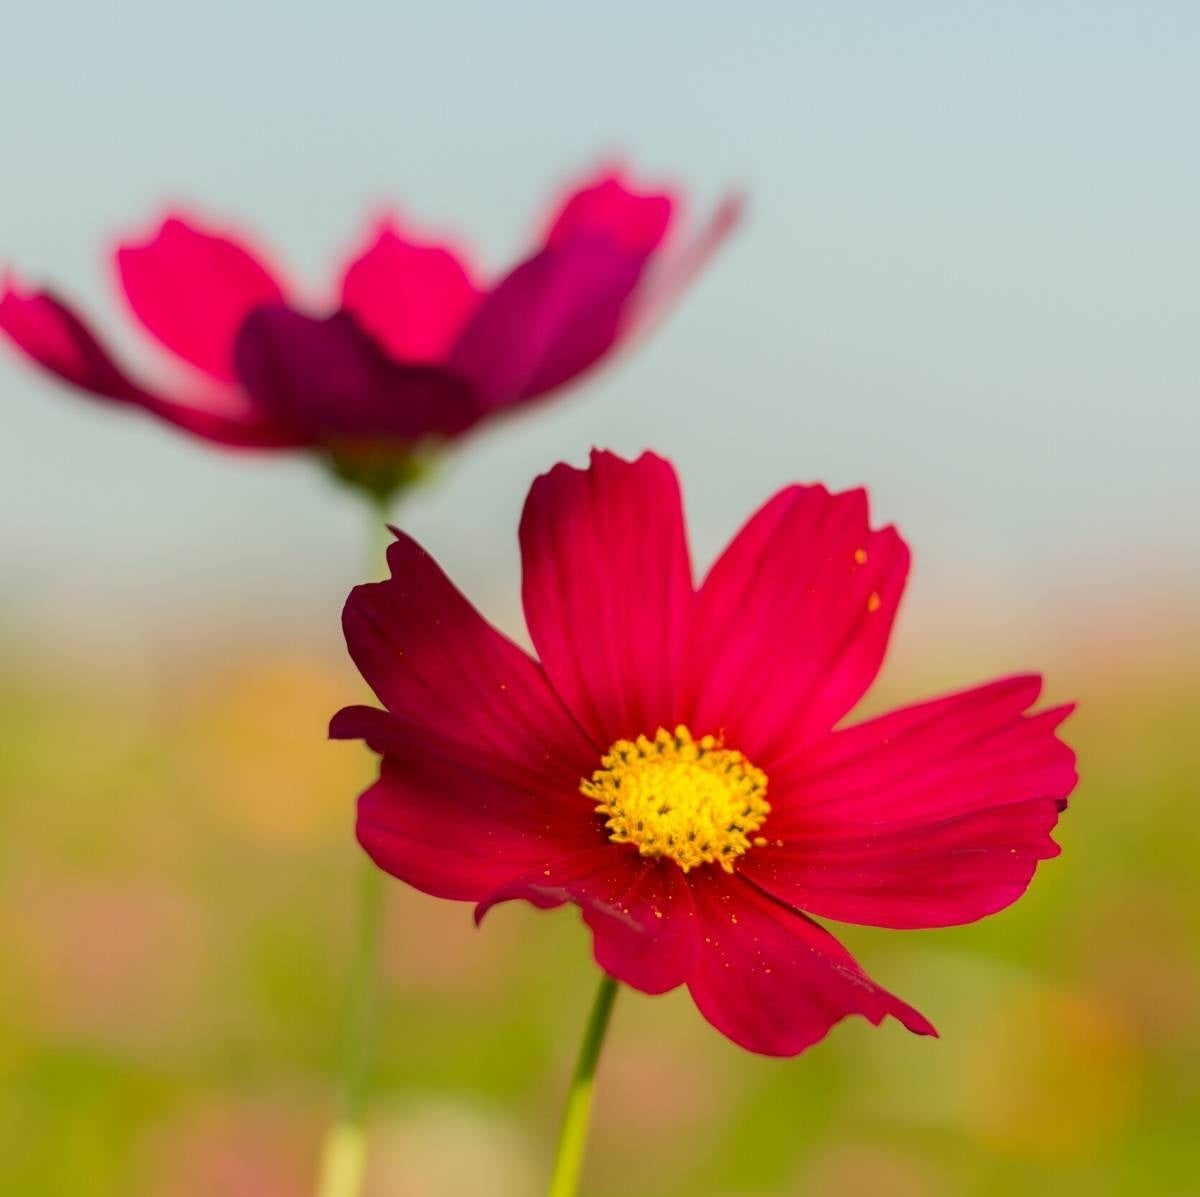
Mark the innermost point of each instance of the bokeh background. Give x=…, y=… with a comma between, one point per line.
x=968, y=277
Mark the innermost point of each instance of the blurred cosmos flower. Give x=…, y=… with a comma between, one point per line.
x=671, y=765
x=414, y=350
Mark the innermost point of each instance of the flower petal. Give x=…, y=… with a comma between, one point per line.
x=678, y=266
x=793, y=620
x=330, y=377
x=443, y=671
x=606, y=207
x=548, y=320
x=933, y=760
x=772, y=980
x=51, y=334
x=607, y=591
x=640, y=912
x=413, y=299
x=929, y=875
x=562, y=309
x=192, y=289
x=934, y=815
x=448, y=829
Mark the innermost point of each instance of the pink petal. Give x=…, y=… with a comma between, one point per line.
x=927, y=875
x=772, y=980
x=934, y=815
x=54, y=336
x=330, y=377
x=413, y=299
x=793, y=620
x=443, y=826
x=678, y=266
x=607, y=208
x=570, y=304
x=607, y=591
x=915, y=762
x=640, y=912
x=192, y=290
x=564, y=308
x=555, y=315
x=457, y=684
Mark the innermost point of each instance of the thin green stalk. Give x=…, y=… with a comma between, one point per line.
x=344, y=1151
x=572, y=1138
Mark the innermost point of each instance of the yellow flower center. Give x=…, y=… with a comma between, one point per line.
x=690, y=800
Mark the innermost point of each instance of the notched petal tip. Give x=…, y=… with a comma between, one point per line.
x=602, y=457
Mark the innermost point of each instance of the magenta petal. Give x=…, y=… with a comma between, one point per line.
x=934, y=760
x=678, y=266
x=574, y=301
x=793, y=620
x=380, y=730
x=442, y=670
x=772, y=980
x=192, y=290
x=547, y=321
x=52, y=335
x=413, y=299
x=925, y=875
x=330, y=377
x=931, y=816
x=607, y=208
x=450, y=830
x=640, y=912
x=607, y=591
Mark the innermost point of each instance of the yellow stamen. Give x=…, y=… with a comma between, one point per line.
x=692, y=801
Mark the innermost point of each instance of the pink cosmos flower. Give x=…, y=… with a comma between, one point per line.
x=416, y=345
x=674, y=764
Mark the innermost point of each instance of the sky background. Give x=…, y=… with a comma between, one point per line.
x=969, y=277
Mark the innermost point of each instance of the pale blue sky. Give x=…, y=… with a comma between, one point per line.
x=969, y=275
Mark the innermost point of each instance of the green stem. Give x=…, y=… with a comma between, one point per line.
x=344, y=1151
x=572, y=1138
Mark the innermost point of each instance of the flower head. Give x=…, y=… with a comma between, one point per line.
x=415, y=348
x=675, y=764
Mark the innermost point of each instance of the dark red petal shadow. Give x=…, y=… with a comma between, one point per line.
x=553, y=316
x=330, y=377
